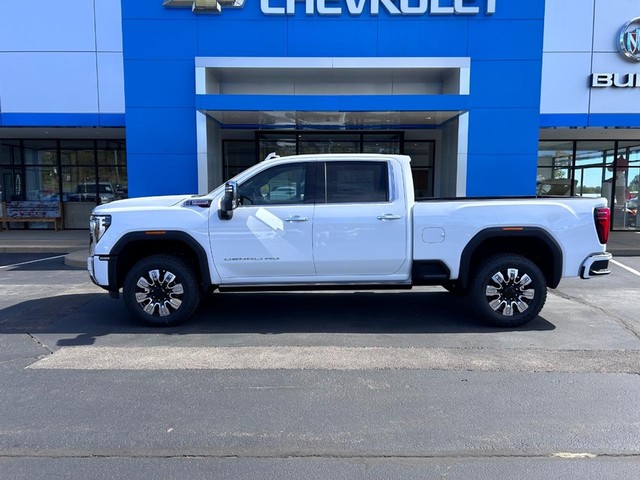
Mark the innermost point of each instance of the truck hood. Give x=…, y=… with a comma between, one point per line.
x=134, y=203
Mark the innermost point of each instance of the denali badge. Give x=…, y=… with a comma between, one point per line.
x=629, y=40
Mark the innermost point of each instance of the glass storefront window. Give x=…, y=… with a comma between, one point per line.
x=422, y=182
x=38, y=179
x=329, y=143
x=113, y=179
x=588, y=181
x=283, y=145
x=554, y=163
x=77, y=153
x=79, y=173
x=385, y=144
x=10, y=153
x=421, y=153
x=609, y=169
x=41, y=183
x=40, y=152
x=112, y=152
x=76, y=181
x=627, y=183
x=112, y=168
x=286, y=143
x=10, y=177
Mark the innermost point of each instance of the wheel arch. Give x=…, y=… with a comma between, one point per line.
x=134, y=246
x=534, y=243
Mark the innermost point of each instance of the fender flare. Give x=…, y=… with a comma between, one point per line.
x=169, y=235
x=500, y=233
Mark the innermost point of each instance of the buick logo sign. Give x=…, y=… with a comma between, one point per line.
x=629, y=43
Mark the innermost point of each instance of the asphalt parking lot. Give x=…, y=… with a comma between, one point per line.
x=598, y=314
x=348, y=384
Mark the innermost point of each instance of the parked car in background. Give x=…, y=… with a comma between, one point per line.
x=86, y=192
x=282, y=194
x=631, y=211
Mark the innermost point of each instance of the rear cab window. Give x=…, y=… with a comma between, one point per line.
x=354, y=182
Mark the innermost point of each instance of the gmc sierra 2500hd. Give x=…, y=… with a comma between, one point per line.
x=342, y=221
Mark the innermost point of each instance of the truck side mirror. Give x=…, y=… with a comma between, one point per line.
x=229, y=202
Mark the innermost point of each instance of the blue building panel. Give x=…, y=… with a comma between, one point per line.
x=415, y=38
x=330, y=38
x=50, y=119
x=624, y=120
x=501, y=175
x=503, y=131
x=161, y=131
x=505, y=84
x=506, y=40
x=173, y=81
x=161, y=174
x=242, y=38
x=506, y=57
x=169, y=39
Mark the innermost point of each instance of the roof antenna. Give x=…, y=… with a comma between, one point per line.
x=271, y=156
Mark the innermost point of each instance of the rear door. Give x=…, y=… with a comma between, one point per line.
x=360, y=222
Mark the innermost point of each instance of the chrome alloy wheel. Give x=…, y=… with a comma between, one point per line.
x=509, y=295
x=159, y=293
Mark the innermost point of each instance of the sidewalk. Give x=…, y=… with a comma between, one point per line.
x=43, y=241
x=76, y=243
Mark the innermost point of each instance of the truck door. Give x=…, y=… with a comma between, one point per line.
x=270, y=232
x=360, y=223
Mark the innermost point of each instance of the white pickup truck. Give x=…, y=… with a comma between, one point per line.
x=342, y=222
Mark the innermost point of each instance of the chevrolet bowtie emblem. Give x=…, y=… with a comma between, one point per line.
x=204, y=6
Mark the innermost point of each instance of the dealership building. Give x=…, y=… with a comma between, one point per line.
x=102, y=99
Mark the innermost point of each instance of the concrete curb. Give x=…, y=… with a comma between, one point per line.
x=77, y=259
x=36, y=249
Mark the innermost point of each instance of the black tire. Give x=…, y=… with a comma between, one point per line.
x=508, y=290
x=161, y=291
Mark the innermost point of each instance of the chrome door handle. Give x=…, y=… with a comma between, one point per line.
x=297, y=218
x=389, y=216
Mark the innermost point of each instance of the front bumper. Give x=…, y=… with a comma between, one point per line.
x=596, y=265
x=98, y=268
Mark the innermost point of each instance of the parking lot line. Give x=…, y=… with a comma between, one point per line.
x=629, y=269
x=31, y=261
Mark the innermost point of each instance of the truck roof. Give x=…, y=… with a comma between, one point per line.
x=340, y=157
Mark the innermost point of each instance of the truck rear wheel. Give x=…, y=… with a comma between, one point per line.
x=161, y=290
x=508, y=290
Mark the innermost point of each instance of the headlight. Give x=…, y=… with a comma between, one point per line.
x=98, y=225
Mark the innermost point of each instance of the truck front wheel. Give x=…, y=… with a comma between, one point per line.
x=508, y=290
x=161, y=290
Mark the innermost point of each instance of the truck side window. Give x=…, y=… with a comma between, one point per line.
x=357, y=182
x=281, y=185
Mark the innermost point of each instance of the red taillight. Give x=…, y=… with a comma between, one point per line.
x=603, y=223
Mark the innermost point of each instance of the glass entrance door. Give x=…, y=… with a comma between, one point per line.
x=240, y=154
